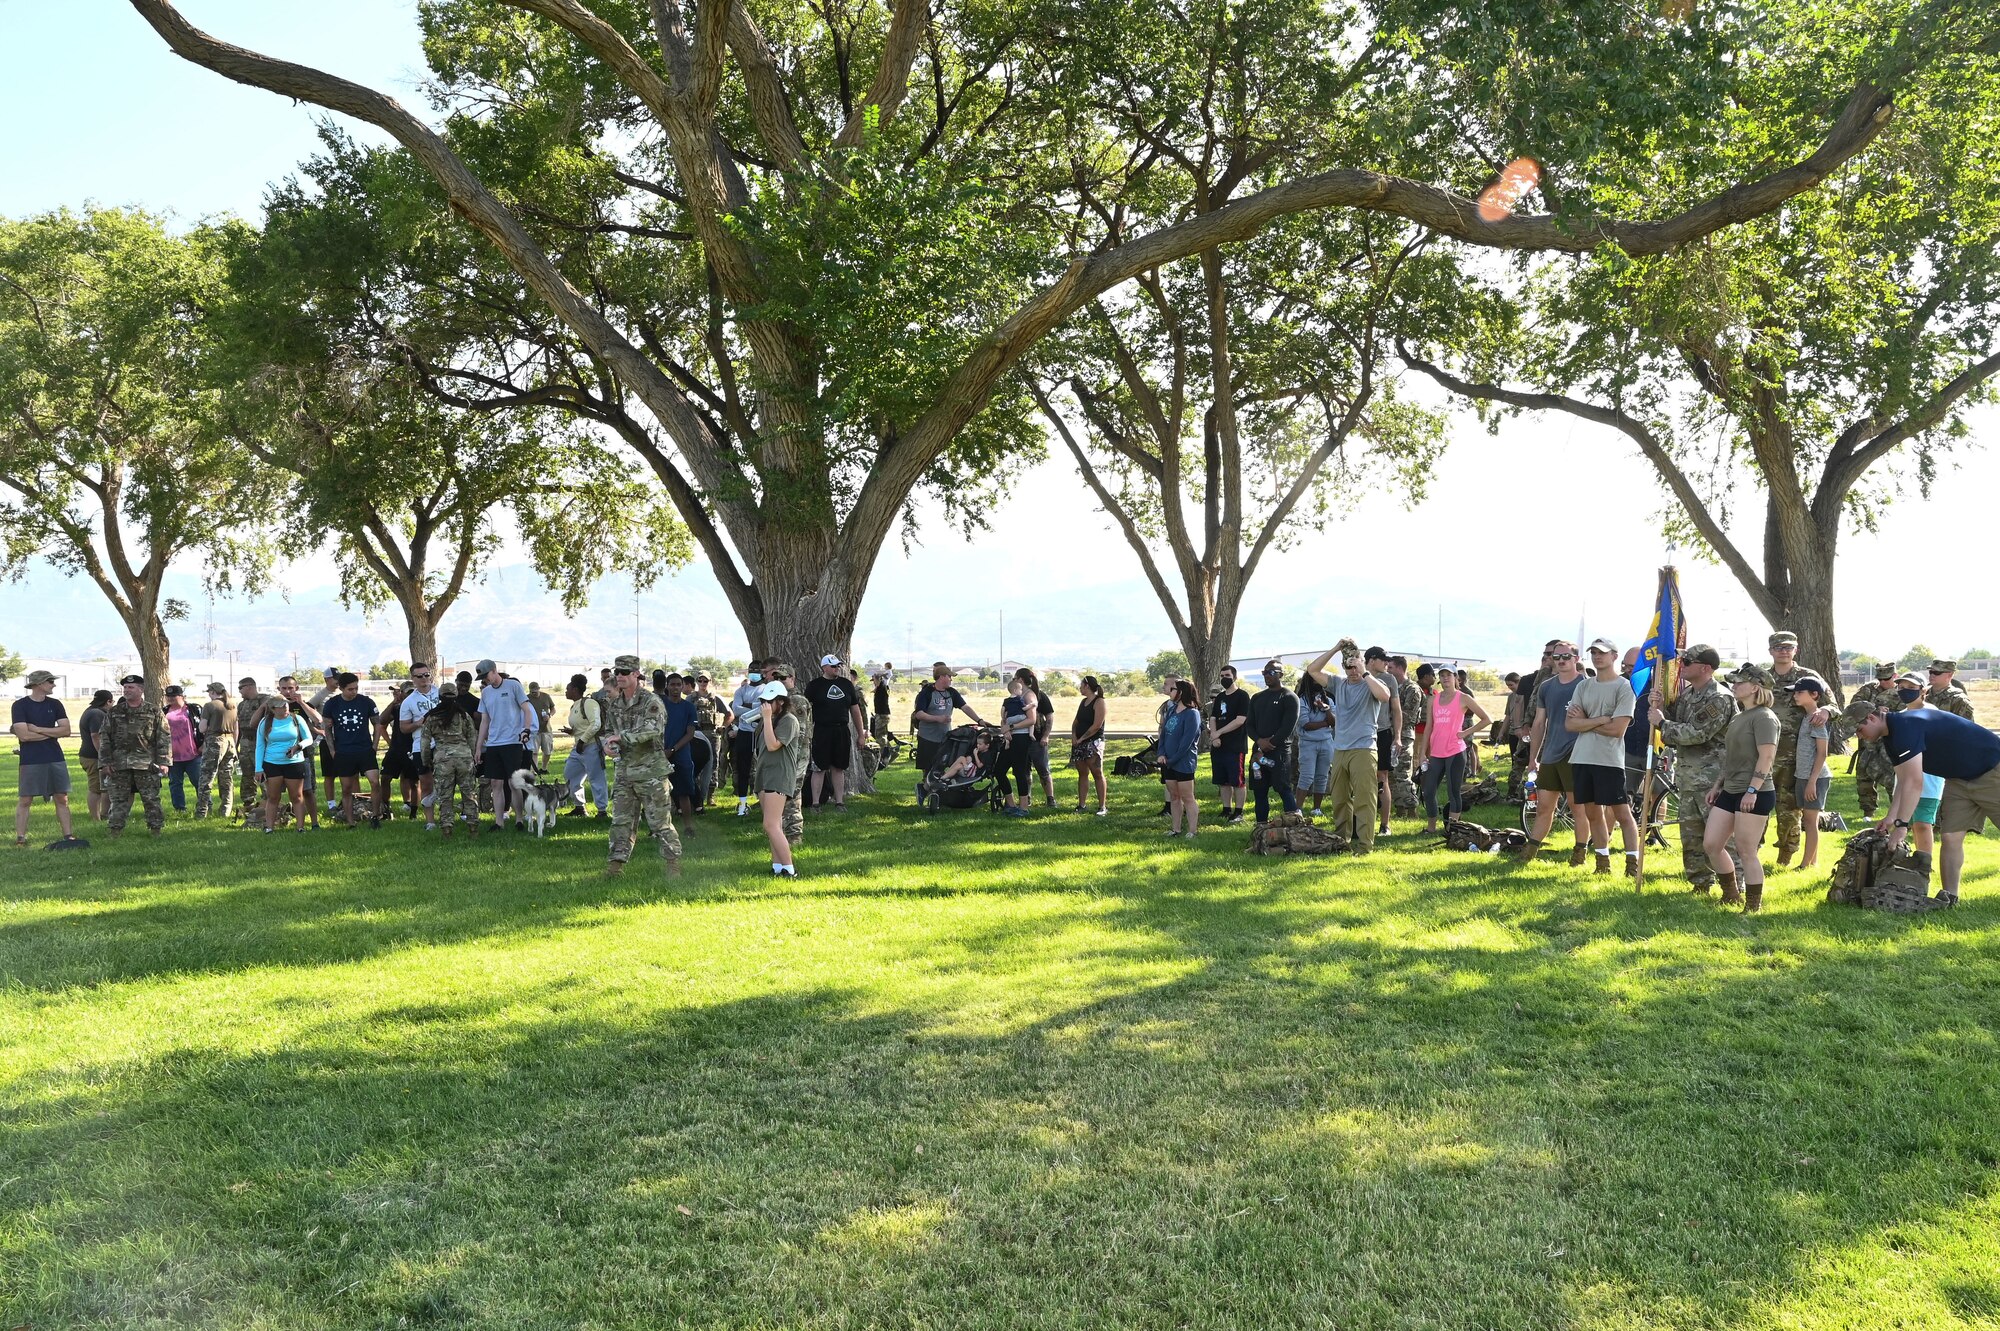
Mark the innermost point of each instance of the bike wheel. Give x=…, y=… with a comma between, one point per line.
x=1563, y=821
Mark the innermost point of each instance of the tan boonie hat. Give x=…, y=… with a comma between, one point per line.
x=1945, y=665
x=1790, y=640
x=1701, y=654
x=448, y=689
x=626, y=662
x=1751, y=673
x=40, y=677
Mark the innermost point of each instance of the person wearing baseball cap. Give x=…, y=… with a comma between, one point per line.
x=507, y=727
x=1598, y=714
x=1693, y=725
x=1945, y=695
x=779, y=755
x=185, y=747
x=40, y=724
x=1947, y=768
x=1872, y=770
x=1815, y=777
x=837, y=718
x=1786, y=671
x=218, y=752
x=1741, y=800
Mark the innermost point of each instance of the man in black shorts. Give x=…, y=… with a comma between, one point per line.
x=1388, y=725
x=350, y=738
x=1549, y=745
x=837, y=719
x=1229, y=740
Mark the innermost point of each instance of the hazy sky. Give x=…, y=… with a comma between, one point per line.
x=97, y=109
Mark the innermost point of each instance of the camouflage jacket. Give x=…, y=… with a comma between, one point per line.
x=706, y=711
x=450, y=730
x=639, y=724
x=1696, y=721
x=1786, y=705
x=246, y=714
x=134, y=738
x=1950, y=698
x=1416, y=709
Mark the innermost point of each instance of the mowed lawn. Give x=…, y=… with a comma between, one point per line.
x=972, y=1072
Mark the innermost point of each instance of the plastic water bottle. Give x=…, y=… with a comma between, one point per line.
x=1529, y=787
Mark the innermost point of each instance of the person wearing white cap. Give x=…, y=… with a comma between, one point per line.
x=837, y=718
x=1599, y=713
x=778, y=772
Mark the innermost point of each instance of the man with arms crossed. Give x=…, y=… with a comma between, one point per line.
x=350, y=735
x=41, y=723
x=1965, y=754
x=1549, y=745
x=1599, y=713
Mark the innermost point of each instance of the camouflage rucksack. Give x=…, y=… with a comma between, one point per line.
x=1874, y=874
x=1461, y=835
x=1291, y=834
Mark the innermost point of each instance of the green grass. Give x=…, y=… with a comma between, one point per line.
x=976, y=1073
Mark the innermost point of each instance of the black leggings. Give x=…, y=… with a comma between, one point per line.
x=1021, y=762
x=740, y=761
x=1451, y=773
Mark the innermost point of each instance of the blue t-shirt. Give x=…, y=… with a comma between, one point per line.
x=680, y=720
x=1557, y=738
x=1951, y=746
x=350, y=723
x=1638, y=735
x=277, y=738
x=44, y=713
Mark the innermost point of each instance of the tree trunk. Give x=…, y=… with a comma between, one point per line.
x=808, y=598
x=149, y=636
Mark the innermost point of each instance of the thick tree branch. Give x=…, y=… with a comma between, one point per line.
x=900, y=47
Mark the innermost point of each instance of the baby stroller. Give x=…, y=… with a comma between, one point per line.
x=971, y=786
x=1146, y=762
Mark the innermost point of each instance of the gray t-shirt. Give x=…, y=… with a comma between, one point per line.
x=1599, y=697
x=1385, y=715
x=937, y=702
x=1557, y=741
x=1807, y=763
x=1353, y=714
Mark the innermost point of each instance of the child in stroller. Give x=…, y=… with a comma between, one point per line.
x=962, y=776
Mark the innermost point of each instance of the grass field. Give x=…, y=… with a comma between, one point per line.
x=971, y=1072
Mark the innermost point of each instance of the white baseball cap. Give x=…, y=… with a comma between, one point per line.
x=829, y=659
x=773, y=691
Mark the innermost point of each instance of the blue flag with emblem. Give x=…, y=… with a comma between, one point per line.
x=1659, y=654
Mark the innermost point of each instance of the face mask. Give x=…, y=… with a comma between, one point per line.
x=756, y=678
x=1909, y=695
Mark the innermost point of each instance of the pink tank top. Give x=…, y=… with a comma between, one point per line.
x=1447, y=720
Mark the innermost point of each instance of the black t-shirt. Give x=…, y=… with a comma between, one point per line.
x=468, y=702
x=1274, y=714
x=350, y=723
x=46, y=712
x=831, y=699
x=1045, y=716
x=1229, y=706
x=93, y=726
x=881, y=698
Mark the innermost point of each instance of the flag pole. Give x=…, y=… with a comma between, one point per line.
x=1644, y=818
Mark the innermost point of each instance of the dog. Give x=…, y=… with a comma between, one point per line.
x=537, y=800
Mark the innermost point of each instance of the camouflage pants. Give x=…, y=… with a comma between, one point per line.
x=451, y=775
x=1403, y=790
x=634, y=792
x=249, y=790
x=1784, y=774
x=123, y=784
x=1517, y=772
x=1692, y=778
x=218, y=773
x=1872, y=773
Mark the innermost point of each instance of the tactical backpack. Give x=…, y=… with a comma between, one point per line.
x=1874, y=875
x=1461, y=835
x=1291, y=834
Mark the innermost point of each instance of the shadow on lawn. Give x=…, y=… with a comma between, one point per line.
x=1325, y=1126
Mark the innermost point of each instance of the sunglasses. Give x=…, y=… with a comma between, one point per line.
x=1562, y=656
x=624, y=672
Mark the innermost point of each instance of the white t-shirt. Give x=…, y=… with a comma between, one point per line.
x=1600, y=697
x=415, y=708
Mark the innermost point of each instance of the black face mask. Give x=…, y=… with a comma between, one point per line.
x=1909, y=695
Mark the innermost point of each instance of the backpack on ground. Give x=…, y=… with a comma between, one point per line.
x=1461, y=835
x=1291, y=834
x=1874, y=875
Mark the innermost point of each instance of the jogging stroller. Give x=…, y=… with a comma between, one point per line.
x=942, y=788
x=1146, y=762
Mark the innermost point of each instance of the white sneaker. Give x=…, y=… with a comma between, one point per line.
x=742, y=809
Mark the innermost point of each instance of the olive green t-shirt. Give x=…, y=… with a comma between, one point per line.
x=1746, y=731
x=778, y=770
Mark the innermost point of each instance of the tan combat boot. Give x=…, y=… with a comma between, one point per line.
x=1578, y=854
x=1730, y=895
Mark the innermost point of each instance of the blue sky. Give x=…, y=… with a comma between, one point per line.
x=97, y=109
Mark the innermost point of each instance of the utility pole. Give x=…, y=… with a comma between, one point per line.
x=635, y=627
x=1003, y=641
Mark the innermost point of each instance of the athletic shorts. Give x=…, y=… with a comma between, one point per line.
x=1595, y=784
x=1557, y=777
x=501, y=761
x=1762, y=803
x=1384, y=742
x=40, y=780
x=287, y=772
x=1811, y=795
x=1169, y=774
x=93, y=776
x=351, y=764
x=1225, y=768
x=832, y=749
x=1926, y=813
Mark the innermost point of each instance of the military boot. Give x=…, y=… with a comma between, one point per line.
x=615, y=868
x=1753, y=898
x=1526, y=854
x=1604, y=865
x=1578, y=854
x=1730, y=895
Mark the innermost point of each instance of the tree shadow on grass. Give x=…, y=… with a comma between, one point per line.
x=1335, y=1126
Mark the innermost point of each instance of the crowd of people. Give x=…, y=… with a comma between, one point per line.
x=1359, y=742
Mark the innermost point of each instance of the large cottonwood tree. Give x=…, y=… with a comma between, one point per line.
x=836, y=216
x=113, y=464
x=1805, y=367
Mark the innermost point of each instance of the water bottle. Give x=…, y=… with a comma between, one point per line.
x=1529, y=787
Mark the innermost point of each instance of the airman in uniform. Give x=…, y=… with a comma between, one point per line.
x=134, y=752
x=1944, y=694
x=1694, y=723
x=1403, y=790
x=1872, y=769
x=248, y=710
x=451, y=733
x=218, y=752
x=635, y=726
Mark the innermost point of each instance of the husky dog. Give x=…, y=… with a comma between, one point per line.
x=536, y=808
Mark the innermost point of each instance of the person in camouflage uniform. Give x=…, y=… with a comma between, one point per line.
x=635, y=726
x=251, y=706
x=1945, y=695
x=1416, y=712
x=795, y=820
x=134, y=752
x=1785, y=672
x=1871, y=766
x=218, y=752
x=708, y=713
x=451, y=732
x=1693, y=723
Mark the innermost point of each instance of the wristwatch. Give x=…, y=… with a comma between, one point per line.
x=1901, y=822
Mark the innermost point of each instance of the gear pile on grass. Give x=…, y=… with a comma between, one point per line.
x=1874, y=874
x=1291, y=834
